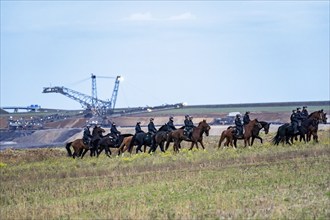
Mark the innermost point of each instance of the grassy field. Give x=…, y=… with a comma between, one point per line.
x=261, y=182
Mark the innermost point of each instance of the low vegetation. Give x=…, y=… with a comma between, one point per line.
x=261, y=182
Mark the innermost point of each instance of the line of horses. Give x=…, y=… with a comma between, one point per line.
x=165, y=136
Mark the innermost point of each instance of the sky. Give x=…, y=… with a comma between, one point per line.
x=197, y=52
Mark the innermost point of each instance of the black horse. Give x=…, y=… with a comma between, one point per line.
x=109, y=142
x=286, y=132
x=141, y=139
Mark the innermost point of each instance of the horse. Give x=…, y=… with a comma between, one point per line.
x=250, y=130
x=196, y=136
x=321, y=117
x=125, y=144
x=140, y=139
x=229, y=133
x=257, y=128
x=80, y=148
x=109, y=142
x=159, y=138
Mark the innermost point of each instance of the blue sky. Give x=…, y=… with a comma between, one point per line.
x=199, y=52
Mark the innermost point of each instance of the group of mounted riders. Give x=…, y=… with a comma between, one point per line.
x=152, y=130
x=297, y=117
x=301, y=123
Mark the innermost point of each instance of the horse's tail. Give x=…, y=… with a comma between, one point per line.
x=278, y=137
x=131, y=144
x=67, y=146
x=222, y=137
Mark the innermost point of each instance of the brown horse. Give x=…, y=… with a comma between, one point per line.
x=109, y=142
x=80, y=148
x=321, y=117
x=250, y=130
x=196, y=136
x=124, y=146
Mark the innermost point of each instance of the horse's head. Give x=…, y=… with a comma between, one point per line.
x=205, y=127
x=324, y=118
x=266, y=127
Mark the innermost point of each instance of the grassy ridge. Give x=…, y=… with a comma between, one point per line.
x=259, y=182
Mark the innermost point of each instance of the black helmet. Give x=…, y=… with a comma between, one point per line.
x=304, y=106
x=138, y=122
x=187, y=116
x=113, y=123
x=247, y=112
x=151, y=119
x=294, y=110
x=298, y=108
x=238, y=115
x=171, y=117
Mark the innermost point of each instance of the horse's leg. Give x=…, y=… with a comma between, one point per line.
x=235, y=143
x=192, y=145
x=161, y=145
x=83, y=154
x=201, y=142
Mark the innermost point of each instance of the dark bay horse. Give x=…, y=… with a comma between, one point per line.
x=321, y=117
x=159, y=138
x=255, y=132
x=80, y=148
x=250, y=130
x=196, y=136
x=109, y=142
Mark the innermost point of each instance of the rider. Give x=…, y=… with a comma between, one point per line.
x=246, y=118
x=151, y=127
x=170, y=124
x=188, y=125
x=294, y=121
x=87, y=135
x=138, y=127
x=304, y=112
x=114, y=132
x=299, y=116
x=239, y=126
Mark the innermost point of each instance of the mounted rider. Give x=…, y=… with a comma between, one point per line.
x=87, y=137
x=138, y=128
x=246, y=118
x=151, y=127
x=188, y=126
x=299, y=116
x=114, y=133
x=294, y=121
x=304, y=113
x=170, y=124
x=239, y=125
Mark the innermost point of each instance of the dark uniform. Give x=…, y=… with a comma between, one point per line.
x=170, y=124
x=87, y=136
x=304, y=113
x=138, y=128
x=246, y=118
x=114, y=132
x=188, y=126
x=151, y=127
x=239, y=125
x=294, y=121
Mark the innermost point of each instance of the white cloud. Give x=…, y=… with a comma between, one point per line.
x=140, y=17
x=184, y=16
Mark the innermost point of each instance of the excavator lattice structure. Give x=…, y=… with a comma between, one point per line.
x=101, y=107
